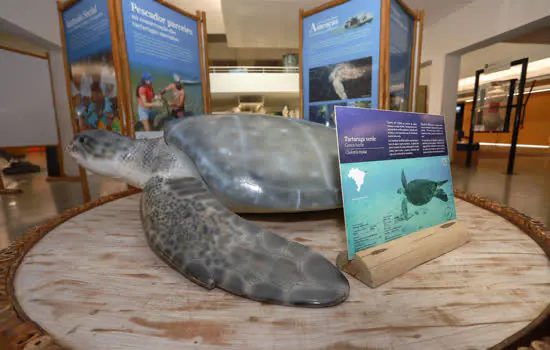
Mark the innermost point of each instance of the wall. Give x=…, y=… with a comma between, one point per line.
x=37, y=22
x=17, y=43
x=536, y=129
x=254, y=83
x=244, y=56
x=481, y=23
x=38, y=17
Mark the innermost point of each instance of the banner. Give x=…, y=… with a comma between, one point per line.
x=91, y=68
x=401, y=47
x=395, y=174
x=164, y=61
x=340, y=59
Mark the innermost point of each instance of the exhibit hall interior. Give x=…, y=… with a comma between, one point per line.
x=236, y=174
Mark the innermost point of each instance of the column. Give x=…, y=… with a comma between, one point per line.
x=443, y=92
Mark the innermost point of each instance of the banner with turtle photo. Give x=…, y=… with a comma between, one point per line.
x=164, y=59
x=395, y=174
x=340, y=59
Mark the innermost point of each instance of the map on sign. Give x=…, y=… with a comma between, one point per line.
x=395, y=174
x=358, y=176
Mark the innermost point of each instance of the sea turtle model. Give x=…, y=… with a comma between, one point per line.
x=206, y=168
x=419, y=192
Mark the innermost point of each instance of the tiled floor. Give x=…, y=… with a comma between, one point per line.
x=528, y=191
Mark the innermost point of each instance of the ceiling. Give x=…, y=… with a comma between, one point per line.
x=435, y=10
x=275, y=23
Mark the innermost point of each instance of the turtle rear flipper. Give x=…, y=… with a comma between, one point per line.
x=195, y=234
x=441, y=195
x=441, y=183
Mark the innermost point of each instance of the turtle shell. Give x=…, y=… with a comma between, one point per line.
x=420, y=191
x=262, y=163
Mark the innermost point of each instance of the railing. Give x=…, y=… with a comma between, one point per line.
x=253, y=69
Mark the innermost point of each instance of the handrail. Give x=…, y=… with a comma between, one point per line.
x=253, y=69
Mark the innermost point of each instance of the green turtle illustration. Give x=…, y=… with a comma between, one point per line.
x=420, y=192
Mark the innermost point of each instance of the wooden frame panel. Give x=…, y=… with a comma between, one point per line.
x=206, y=84
x=384, y=63
x=420, y=25
x=82, y=172
x=124, y=67
x=301, y=63
x=412, y=87
x=202, y=59
x=411, y=13
x=122, y=106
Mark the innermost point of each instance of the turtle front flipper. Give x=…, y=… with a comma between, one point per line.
x=403, y=179
x=189, y=229
x=441, y=195
x=404, y=209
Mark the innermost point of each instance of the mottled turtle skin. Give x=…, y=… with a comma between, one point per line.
x=196, y=178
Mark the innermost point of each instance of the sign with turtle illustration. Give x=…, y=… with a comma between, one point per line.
x=395, y=174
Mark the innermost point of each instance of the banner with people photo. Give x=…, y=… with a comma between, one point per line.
x=340, y=59
x=89, y=52
x=164, y=59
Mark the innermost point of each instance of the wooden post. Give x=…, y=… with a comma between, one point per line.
x=115, y=48
x=414, y=62
x=124, y=68
x=420, y=35
x=301, y=63
x=202, y=59
x=378, y=265
x=207, y=64
x=384, y=64
x=61, y=7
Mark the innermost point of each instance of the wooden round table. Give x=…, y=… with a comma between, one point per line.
x=92, y=282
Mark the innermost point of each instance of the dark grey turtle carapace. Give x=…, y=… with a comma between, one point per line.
x=196, y=178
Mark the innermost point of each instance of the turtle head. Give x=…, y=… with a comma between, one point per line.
x=400, y=190
x=102, y=152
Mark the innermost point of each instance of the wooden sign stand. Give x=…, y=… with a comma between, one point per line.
x=378, y=265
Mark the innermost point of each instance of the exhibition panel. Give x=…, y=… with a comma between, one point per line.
x=358, y=53
x=341, y=59
x=92, y=81
x=164, y=54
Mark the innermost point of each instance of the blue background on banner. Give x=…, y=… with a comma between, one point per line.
x=375, y=210
x=330, y=43
x=149, y=49
x=401, y=45
x=360, y=122
x=87, y=29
